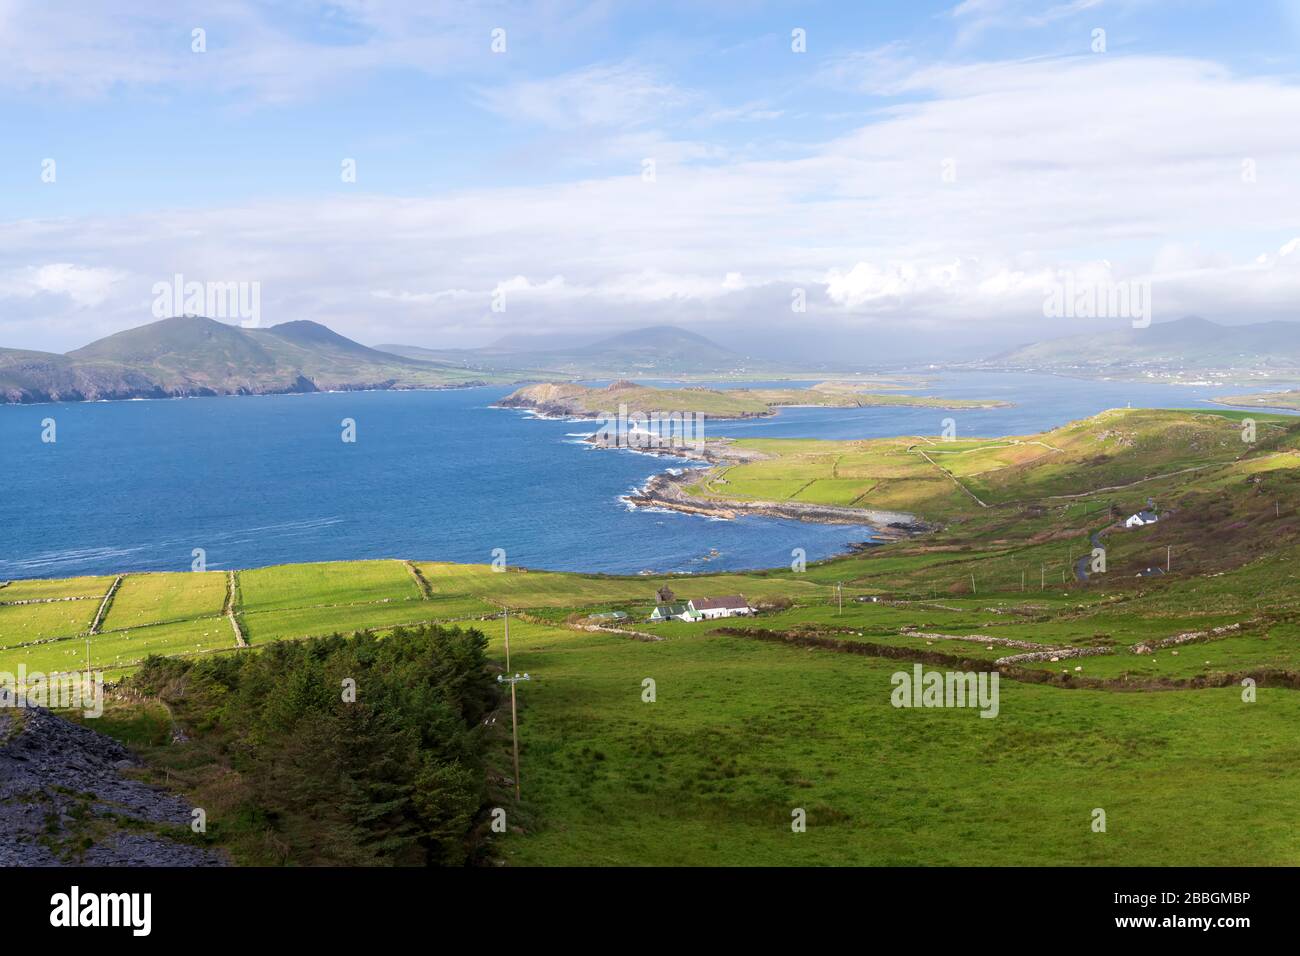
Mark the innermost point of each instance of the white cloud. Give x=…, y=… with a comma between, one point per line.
x=618, y=95
x=82, y=285
x=1131, y=161
x=273, y=53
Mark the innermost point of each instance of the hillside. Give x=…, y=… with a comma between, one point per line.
x=44, y=376
x=1189, y=349
x=192, y=355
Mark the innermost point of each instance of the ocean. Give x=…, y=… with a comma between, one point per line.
x=432, y=475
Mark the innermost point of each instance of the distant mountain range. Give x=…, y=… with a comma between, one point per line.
x=1187, y=349
x=191, y=355
x=663, y=351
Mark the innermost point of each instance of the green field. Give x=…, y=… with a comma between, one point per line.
x=343, y=582
x=742, y=733
x=793, y=710
x=20, y=624
x=43, y=589
x=155, y=598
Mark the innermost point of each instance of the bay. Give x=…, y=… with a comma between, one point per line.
x=433, y=475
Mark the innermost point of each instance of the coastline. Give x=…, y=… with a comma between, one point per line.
x=561, y=410
x=668, y=490
x=159, y=395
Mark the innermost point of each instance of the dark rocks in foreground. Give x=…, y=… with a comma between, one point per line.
x=66, y=799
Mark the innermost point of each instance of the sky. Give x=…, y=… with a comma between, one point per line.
x=861, y=181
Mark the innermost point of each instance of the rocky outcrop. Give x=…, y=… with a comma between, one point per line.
x=66, y=799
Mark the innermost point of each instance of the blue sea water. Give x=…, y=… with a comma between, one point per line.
x=438, y=475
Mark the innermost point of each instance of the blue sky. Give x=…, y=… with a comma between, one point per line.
x=482, y=172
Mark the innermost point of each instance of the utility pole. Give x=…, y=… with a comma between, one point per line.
x=514, y=712
x=839, y=590
x=1022, y=579
x=1169, y=557
x=972, y=582
x=1042, y=577
x=514, y=721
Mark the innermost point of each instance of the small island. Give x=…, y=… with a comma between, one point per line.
x=565, y=400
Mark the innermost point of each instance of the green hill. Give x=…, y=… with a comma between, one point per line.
x=662, y=351
x=1190, y=348
x=192, y=355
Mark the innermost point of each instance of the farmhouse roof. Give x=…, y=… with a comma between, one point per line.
x=729, y=603
x=673, y=609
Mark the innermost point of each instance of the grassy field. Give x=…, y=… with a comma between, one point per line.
x=344, y=582
x=1147, y=450
x=743, y=733
x=25, y=623
x=749, y=726
x=156, y=598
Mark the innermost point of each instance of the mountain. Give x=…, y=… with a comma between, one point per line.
x=1191, y=348
x=192, y=355
x=663, y=351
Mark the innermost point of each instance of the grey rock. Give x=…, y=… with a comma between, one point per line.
x=55, y=775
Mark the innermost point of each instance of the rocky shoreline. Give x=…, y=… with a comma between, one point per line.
x=669, y=491
x=152, y=392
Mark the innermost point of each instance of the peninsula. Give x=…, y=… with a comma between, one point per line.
x=565, y=400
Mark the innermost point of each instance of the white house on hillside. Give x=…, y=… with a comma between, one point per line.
x=1141, y=518
x=730, y=606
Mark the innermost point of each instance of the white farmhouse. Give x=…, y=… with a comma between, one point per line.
x=1141, y=518
x=730, y=606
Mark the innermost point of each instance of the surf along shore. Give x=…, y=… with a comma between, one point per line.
x=677, y=490
x=670, y=490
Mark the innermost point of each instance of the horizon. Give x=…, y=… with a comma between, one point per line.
x=579, y=340
x=913, y=178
